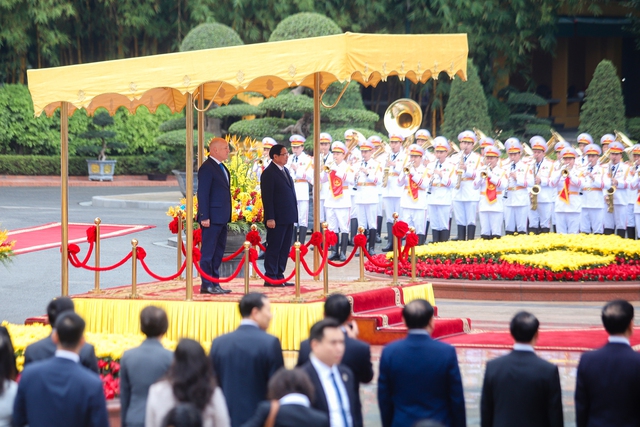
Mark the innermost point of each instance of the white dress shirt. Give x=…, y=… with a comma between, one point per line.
x=335, y=411
x=619, y=340
x=523, y=347
x=66, y=354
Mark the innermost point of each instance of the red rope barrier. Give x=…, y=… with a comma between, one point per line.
x=233, y=255
x=270, y=280
x=342, y=264
x=372, y=261
x=218, y=280
x=161, y=278
x=412, y=241
x=73, y=259
x=74, y=249
x=322, y=264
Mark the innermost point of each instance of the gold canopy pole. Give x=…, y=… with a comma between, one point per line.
x=201, y=125
x=64, y=201
x=189, y=197
x=316, y=168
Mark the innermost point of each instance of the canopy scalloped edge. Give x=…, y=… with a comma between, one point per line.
x=166, y=79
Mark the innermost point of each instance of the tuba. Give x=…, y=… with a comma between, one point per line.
x=624, y=139
x=404, y=117
x=551, y=144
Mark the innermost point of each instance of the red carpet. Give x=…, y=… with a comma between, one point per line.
x=555, y=340
x=49, y=235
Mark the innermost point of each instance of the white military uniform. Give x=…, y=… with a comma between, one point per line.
x=465, y=198
x=491, y=212
x=595, y=180
x=568, y=211
x=338, y=207
x=516, y=203
x=635, y=194
x=439, y=201
x=618, y=219
x=302, y=177
x=325, y=159
x=541, y=217
x=413, y=208
x=393, y=191
x=367, y=194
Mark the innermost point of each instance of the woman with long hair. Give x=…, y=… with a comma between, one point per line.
x=8, y=373
x=189, y=380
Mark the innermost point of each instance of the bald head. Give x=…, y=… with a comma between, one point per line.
x=219, y=149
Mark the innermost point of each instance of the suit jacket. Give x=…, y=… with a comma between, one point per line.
x=607, y=387
x=278, y=196
x=214, y=193
x=45, y=349
x=357, y=357
x=58, y=392
x=420, y=379
x=520, y=389
x=289, y=416
x=244, y=360
x=320, y=399
x=140, y=367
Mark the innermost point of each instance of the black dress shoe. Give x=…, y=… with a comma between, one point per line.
x=289, y=284
x=269, y=285
x=215, y=291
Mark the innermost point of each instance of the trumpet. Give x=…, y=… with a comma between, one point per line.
x=609, y=198
x=260, y=162
x=407, y=171
x=483, y=175
x=533, y=197
x=326, y=168
x=565, y=173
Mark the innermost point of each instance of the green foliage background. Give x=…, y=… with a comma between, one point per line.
x=603, y=108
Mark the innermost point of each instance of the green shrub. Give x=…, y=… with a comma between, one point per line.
x=235, y=110
x=174, y=124
x=50, y=165
x=289, y=103
x=343, y=116
x=260, y=128
x=633, y=128
x=209, y=36
x=303, y=25
x=603, y=108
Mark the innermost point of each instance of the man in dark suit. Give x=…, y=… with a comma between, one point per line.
x=214, y=212
x=520, y=389
x=419, y=377
x=357, y=354
x=142, y=366
x=608, y=379
x=59, y=392
x=245, y=359
x=334, y=383
x=46, y=348
x=280, y=213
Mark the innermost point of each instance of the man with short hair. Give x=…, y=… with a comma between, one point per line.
x=245, y=360
x=520, y=389
x=46, y=348
x=58, y=391
x=300, y=165
x=142, y=366
x=334, y=383
x=608, y=379
x=419, y=377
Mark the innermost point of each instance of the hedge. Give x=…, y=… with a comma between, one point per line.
x=50, y=165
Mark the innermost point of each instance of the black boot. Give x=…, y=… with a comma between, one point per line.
x=421, y=239
x=303, y=235
x=335, y=253
x=631, y=233
x=373, y=233
x=608, y=231
x=389, y=246
x=444, y=235
x=495, y=236
x=426, y=229
x=462, y=233
x=354, y=230
x=471, y=231
x=485, y=237
x=436, y=236
x=621, y=232
x=294, y=235
x=343, y=246
x=508, y=233
x=555, y=229
x=545, y=229
x=379, y=227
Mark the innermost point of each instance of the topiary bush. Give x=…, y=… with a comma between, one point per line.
x=260, y=128
x=303, y=25
x=209, y=36
x=50, y=165
x=633, y=128
x=603, y=108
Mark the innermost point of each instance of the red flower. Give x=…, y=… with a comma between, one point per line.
x=197, y=236
x=173, y=225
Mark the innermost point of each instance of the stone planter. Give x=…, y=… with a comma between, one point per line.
x=182, y=181
x=101, y=170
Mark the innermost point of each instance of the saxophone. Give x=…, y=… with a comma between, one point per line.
x=609, y=198
x=459, y=171
x=533, y=197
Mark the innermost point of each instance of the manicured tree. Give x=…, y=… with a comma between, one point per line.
x=209, y=36
x=467, y=106
x=603, y=108
x=304, y=25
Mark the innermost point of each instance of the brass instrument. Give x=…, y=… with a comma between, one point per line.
x=326, y=168
x=483, y=175
x=428, y=144
x=260, y=162
x=454, y=146
x=551, y=144
x=565, y=173
x=385, y=177
x=404, y=117
x=533, y=197
x=605, y=157
x=624, y=139
x=407, y=171
x=527, y=149
x=459, y=171
x=609, y=198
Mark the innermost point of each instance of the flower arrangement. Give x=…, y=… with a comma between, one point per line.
x=246, y=203
x=548, y=257
x=6, y=247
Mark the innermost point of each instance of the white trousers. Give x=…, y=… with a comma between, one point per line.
x=367, y=215
x=630, y=215
x=567, y=222
x=637, y=218
x=439, y=216
x=591, y=220
x=353, y=212
x=338, y=219
x=323, y=214
x=379, y=210
x=465, y=212
x=391, y=205
x=491, y=223
x=617, y=219
x=515, y=218
x=415, y=218
x=541, y=217
x=303, y=213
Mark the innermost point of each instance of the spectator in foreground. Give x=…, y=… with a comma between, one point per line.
x=189, y=380
x=8, y=373
x=183, y=415
x=142, y=366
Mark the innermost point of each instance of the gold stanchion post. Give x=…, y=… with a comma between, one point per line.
x=254, y=274
x=394, y=282
x=96, y=276
x=134, y=270
x=361, y=257
x=179, y=244
x=247, y=246
x=297, y=245
x=325, y=270
x=413, y=259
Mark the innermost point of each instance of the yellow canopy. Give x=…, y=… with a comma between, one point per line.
x=266, y=68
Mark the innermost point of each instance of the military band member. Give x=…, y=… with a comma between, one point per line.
x=520, y=179
x=568, y=182
x=301, y=168
x=353, y=156
x=393, y=191
x=381, y=159
x=584, y=139
x=606, y=140
x=635, y=186
x=491, y=181
x=338, y=203
x=368, y=175
x=325, y=159
x=619, y=174
x=260, y=164
x=540, y=218
x=466, y=197
x=424, y=140
x=595, y=180
x=439, y=191
x=414, y=196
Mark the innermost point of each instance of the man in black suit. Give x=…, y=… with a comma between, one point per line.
x=420, y=377
x=520, y=389
x=58, y=391
x=357, y=354
x=214, y=212
x=46, y=348
x=245, y=359
x=280, y=213
x=608, y=379
x=142, y=366
x=334, y=383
